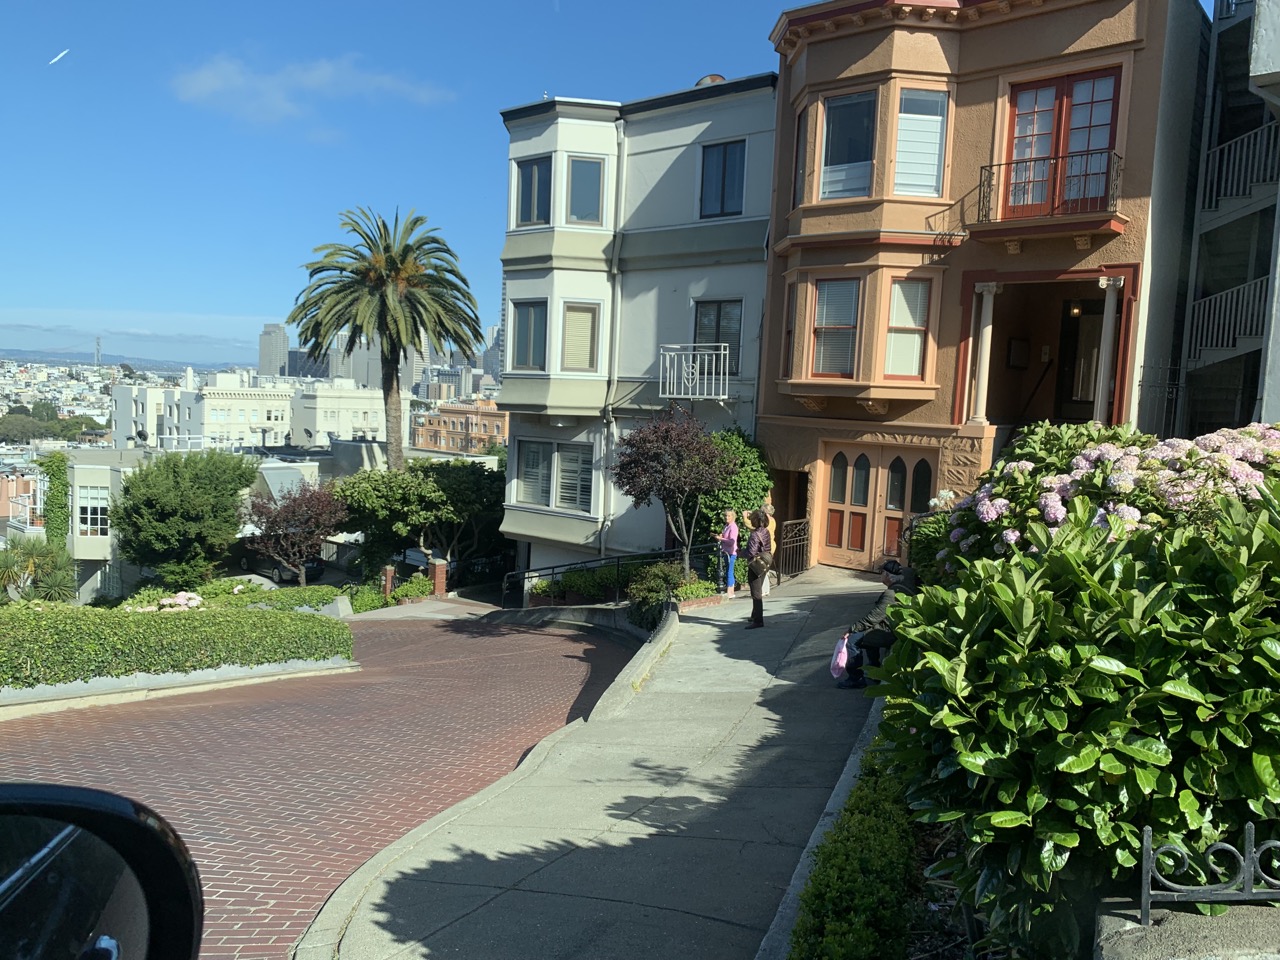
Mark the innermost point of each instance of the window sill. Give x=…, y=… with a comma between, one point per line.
x=1049, y=226
x=859, y=389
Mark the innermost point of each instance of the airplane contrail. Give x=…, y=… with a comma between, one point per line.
x=59, y=56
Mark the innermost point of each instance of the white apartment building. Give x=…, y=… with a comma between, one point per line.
x=229, y=412
x=634, y=273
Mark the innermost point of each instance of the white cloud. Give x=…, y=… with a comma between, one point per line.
x=231, y=86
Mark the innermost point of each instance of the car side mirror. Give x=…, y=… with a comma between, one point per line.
x=89, y=875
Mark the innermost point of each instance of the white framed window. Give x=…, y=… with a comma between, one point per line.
x=573, y=476
x=720, y=321
x=908, y=329
x=849, y=145
x=578, y=342
x=723, y=178
x=533, y=192
x=586, y=190
x=529, y=346
x=922, y=143
x=91, y=511
x=533, y=472
x=835, y=326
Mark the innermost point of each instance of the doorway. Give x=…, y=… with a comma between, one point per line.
x=869, y=494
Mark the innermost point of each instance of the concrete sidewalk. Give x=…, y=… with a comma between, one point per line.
x=667, y=825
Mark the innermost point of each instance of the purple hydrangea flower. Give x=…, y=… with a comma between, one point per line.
x=1052, y=508
x=957, y=534
x=1010, y=536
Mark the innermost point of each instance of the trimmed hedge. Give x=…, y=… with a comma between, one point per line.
x=864, y=873
x=222, y=595
x=62, y=644
x=365, y=598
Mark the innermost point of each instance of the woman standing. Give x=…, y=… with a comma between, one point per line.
x=759, y=560
x=729, y=549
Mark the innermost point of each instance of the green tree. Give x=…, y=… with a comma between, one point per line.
x=392, y=509
x=499, y=450
x=743, y=490
x=19, y=428
x=399, y=287
x=672, y=459
x=33, y=568
x=179, y=513
x=45, y=410
x=57, y=496
x=20, y=410
x=468, y=524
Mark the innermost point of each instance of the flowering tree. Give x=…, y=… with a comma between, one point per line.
x=293, y=527
x=672, y=459
x=1128, y=480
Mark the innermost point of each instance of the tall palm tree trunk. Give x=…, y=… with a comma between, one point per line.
x=391, y=403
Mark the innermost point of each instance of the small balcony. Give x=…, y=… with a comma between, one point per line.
x=693, y=371
x=1074, y=194
x=26, y=513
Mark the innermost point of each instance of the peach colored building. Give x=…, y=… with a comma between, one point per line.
x=980, y=221
x=461, y=427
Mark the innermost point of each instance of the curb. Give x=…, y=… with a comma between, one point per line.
x=148, y=686
x=323, y=937
x=777, y=941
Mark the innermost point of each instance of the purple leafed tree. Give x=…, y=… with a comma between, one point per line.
x=672, y=459
x=294, y=526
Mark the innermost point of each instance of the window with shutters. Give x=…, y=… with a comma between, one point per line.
x=723, y=178
x=835, y=327
x=529, y=345
x=720, y=321
x=533, y=472
x=848, y=149
x=922, y=143
x=573, y=476
x=578, y=342
x=533, y=192
x=908, y=329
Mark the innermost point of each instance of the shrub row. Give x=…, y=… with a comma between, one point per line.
x=62, y=644
x=852, y=907
x=236, y=594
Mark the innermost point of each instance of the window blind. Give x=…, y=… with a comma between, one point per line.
x=922, y=121
x=579, y=342
x=573, y=485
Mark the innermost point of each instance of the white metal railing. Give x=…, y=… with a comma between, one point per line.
x=27, y=511
x=1237, y=166
x=1217, y=322
x=693, y=371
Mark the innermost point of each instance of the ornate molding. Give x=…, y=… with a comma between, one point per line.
x=814, y=404
x=1116, y=282
x=1013, y=246
x=877, y=407
x=1083, y=241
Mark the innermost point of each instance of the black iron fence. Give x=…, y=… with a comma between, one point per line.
x=516, y=584
x=1243, y=879
x=792, y=550
x=1072, y=183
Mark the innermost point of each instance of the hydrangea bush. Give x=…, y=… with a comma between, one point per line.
x=1117, y=471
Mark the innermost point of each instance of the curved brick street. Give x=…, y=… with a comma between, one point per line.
x=282, y=789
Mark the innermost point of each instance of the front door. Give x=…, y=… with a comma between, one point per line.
x=870, y=493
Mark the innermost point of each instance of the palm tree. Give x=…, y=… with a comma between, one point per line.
x=31, y=568
x=398, y=286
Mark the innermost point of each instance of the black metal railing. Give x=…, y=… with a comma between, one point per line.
x=1245, y=879
x=792, y=556
x=1061, y=186
x=516, y=583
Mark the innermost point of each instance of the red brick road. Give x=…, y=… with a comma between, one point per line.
x=282, y=789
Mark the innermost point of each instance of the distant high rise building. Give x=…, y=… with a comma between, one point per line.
x=492, y=360
x=273, y=350
x=339, y=362
x=300, y=365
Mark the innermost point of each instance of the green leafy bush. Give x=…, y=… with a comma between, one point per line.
x=864, y=870
x=695, y=590
x=62, y=644
x=232, y=593
x=1057, y=701
x=586, y=583
x=927, y=543
x=742, y=490
x=366, y=597
x=650, y=590
x=552, y=588
x=715, y=563
x=415, y=586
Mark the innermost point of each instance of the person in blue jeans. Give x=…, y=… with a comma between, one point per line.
x=729, y=548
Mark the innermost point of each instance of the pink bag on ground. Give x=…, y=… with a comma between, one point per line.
x=840, y=657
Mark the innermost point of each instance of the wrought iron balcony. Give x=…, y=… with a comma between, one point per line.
x=693, y=371
x=1068, y=185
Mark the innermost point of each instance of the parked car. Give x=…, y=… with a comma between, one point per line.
x=278, y=572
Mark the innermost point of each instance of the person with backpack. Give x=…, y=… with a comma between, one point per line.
x=873, y=634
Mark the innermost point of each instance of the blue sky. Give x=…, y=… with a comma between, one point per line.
x=163, y=182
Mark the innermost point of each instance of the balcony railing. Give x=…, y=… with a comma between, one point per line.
x=1219, y=321
x=1237, y=166
x=1061, y=186
x=26, y=511
x=693, y=371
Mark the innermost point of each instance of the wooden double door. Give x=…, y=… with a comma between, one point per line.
x=868, y=495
